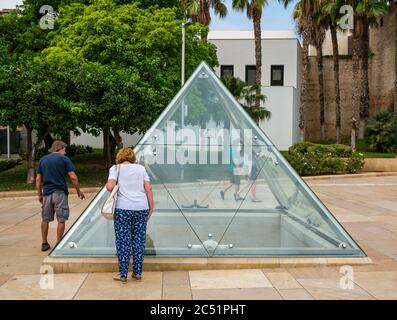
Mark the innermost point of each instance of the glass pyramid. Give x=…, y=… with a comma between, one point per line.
x=221, y=188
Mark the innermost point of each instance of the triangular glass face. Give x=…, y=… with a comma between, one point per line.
x=221, y=188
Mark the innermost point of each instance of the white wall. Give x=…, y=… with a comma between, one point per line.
x=282, y=128
x=241, y=52
x=283, y=102
x=97, y=142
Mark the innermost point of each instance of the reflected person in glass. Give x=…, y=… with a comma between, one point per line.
x=134, y=208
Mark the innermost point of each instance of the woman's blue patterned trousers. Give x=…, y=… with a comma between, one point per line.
x=130, y=232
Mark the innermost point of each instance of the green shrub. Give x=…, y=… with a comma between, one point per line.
x=381, y=132
x=310, y=159
x=8, y=164
x=355, y=163
x=74, y=149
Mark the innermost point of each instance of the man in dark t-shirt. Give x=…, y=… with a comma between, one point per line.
x=52, y=171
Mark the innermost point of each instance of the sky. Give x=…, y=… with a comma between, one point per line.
x=274, y=17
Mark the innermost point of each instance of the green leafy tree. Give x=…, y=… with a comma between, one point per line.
x=31, y=95
x=130, y=62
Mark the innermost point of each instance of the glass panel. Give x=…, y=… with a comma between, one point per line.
x=220, y=188
x=296, y=223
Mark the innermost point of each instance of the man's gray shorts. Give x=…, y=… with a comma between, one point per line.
x=55, y=204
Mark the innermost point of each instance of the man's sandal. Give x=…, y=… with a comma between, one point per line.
x=45, y=246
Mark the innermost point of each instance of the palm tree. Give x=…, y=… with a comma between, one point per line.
x=394, y=7
x=331, y=9
x=318, y=38
x=367, y=13
x=303, y=15
x=254, y=11
x=199, y=11
x=247, y=97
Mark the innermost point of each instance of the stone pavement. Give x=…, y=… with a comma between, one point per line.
x=366, y=207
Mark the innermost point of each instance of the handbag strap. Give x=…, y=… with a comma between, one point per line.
x=118, y=173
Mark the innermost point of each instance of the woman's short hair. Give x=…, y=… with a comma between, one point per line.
x=125, y=154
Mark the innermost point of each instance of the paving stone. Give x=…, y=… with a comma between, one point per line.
x=295, y=294
x=330, y=289
x=315, y=272
x=237, y=294
x=228, y=279
x=283, y=280
x=101, y=286
x=176, y=285
x=38, y=287
x=380, y=284
x=4, y=278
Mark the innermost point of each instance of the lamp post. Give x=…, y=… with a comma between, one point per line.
x=184, y=25
x=8, y=143
x=183, y=53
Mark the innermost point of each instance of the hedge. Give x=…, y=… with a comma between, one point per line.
x=310, y=159
x=8, y=164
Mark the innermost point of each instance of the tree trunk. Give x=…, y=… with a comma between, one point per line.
x=364, y=66
x=106, y=148
x=395, y=61
x=319, y=48
x=304, y=83
x=31, y=152
x=356, y=89
x=113, y=146
x=48, y=140
x=118, y=138
x=258, y=54
x=29, y=155
x=205, y=20
x=67, y=138
x=335, y=49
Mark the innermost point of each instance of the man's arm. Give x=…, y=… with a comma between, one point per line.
x=38, y=188
x=75, y=182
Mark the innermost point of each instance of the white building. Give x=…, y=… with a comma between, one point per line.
x=281, y=76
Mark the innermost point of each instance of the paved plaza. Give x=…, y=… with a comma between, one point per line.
x=365, y=206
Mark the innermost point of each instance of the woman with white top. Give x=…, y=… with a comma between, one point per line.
x=134, y=208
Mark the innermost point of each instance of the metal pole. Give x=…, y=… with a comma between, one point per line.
x=8, y=143
x=183, y=53
x=182, y=84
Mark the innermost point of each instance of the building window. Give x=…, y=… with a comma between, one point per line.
x=277, y=76
x=250, y=75
x=227, y=71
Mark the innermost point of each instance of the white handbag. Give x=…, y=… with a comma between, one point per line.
x=109, y=206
